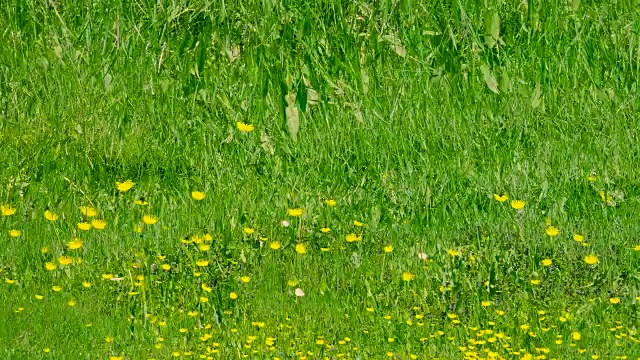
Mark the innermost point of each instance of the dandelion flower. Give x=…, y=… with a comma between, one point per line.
x=301, y=249
x=50, y=266
x=245, y=128
x=65, y=260
x=358, y=223
x=330, y=202
x=500, y=198
x=86, y=284
x=591, y=259
x=88, y=211
x=206, y=288
x=72, y=303
x=141, y=202
x=407, y=276
x=518, y=204
x=614, y=300
x=453, y=253
x=198, y=195
x=325, y=230
x=7, y=210
x=39, y=297
x=233, y=295
x=15, y=233
x=202, y=262
x=578, y=237
x=353, y=238
x=245, y=279
x=149, y=219
x=84, y=226
x=387, y=249
x=124, y=186
x=576, y=336
x=636, y=248
x=299, y=292
x=56, y=288
x=552, y=231
x=295, y=212
x=99, y=224
x=74, y=244
x=49, y=215
x=547, y=262
x=535, y=282
x=486, y=303
x=166, y=267
x=248, y=230
x=275, y=245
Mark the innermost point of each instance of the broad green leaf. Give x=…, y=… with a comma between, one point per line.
x=293, y=120
x=536, y=97
x=492, y=28
x=489, y=79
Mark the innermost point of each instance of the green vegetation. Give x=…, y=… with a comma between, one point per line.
x=360, y=165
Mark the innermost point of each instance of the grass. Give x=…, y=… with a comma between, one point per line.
x=413, y=116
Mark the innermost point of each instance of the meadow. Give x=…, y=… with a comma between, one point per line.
x=260, y=179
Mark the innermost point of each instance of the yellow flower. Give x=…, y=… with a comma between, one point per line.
x=202, y=262
x=576, y=336
x=301, y=249
x=292, y=282
x=7, y=210
x=330, y=202
x=86, y=284
x=636, y=248
x=84, y=226
x=88, y=211
x=274, y=245
x=388, y=249
x=204, y=247
x=15, y=233
x=325, y=230
x=233, y=295
x=50, y=266
x=49, y=215
x=246, y=128
x=535, y=282
x=206, y=288
x=591, y=259
x=500, y=198
x=74, y=244
x=592, y=177
x=141, y=202
x=353, y=238
x=453, y=253
x=614, y=300
x=9, y=281
x=248, y=230
x=578, y=237
x=358, y=223
x=295, y=212
x=547, y=262
x=486, y=303
x=204, y=299
x=517, y=204
x=44, y=250
x=198, y=195
x=124, y=186
x=56, y=288
x=407, y=276
x=245, y=279
x=108, y=339
x=552, y=231
x=39, y=297
x=72, y=303
x=98, y=224
x=149, y=219
x=166, y=267
x=65, y=260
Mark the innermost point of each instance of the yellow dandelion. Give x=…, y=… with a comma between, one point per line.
x=245, y=279
x=387, y=249
x=248, y=230
x=591, y=259
x=552, y=231
x=578, y=237
x=204, y=247
x=7, y=210
x=535, y=282
x=576, y=336
x=407, y=276
x=86, y=284
x=56, y=288
x=124, y=186
x=547, y=262
x=65, y=260
x=98, y=224
x=74, y=244
x=84, y=226
x=245, y=128
x=353, y=238
x=202, y=262
x=636, y=248
x=614, y=300
x=325, y=230
x=295, y=212
x=358, y=223
x=500, y=198
x=330, y=202
x=49, y=215
x=50, y=266
x=166, y=267
x=486, y=303
x=206, y=288
x=453, y=253
x=198, y=195
x=518, y=204
x=15, y=233
x=301, y=249
x=88, y=211
x=141, y=202
x=275, y=245
x=39, y=297
x=149, y=219
x=72, y=303
x=233, y=295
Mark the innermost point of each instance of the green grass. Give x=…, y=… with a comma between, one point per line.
x=412, y=115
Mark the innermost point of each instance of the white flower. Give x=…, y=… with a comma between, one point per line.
x=299, y=292
x=284, y=223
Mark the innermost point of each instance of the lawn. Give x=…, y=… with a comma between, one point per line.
x=258, y=179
